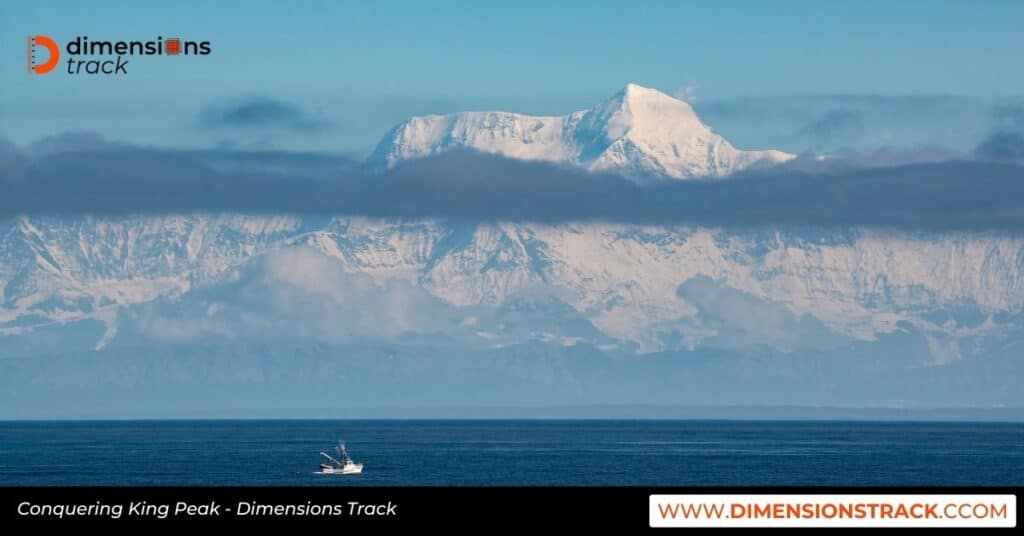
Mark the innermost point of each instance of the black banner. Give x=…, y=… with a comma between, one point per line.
x=622, y=509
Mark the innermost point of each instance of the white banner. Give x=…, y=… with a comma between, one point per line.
x=833, y=510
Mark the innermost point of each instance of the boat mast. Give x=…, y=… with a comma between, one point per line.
x=328, y=456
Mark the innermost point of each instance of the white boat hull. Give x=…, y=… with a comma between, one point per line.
x=349, y=469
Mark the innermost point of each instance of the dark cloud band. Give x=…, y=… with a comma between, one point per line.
x=965, y=194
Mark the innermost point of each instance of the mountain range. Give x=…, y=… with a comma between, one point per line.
x=219, y=308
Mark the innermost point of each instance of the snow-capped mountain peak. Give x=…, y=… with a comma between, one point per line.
x=640, y=113
x=640, y=132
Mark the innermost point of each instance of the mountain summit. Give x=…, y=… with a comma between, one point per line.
x=639, y=132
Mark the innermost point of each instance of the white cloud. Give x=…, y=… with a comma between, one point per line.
x=687, y=93
x=300, y=292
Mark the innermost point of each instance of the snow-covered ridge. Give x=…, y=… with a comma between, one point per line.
x=639, y=132
x=652, y=286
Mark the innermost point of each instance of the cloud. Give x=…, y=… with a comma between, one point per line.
x=732, y=318
x=1002, y=146
x=12, y=161
x=298, y=293
x=261, y=113
x=312, y=289
x=846, y=160
x=687, y=93
x=1009, y=116
x=799, y=123
x=271, y=162
x=70, y=142
x=1006, y=142
x=462, y=185
x=834, y=124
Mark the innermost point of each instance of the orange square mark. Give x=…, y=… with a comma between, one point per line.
x=172, y=46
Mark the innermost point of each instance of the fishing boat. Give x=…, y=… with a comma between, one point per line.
x=343, y=465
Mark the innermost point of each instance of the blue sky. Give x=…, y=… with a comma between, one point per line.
x=362, y=66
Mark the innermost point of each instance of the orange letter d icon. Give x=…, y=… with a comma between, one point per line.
x=53, y=54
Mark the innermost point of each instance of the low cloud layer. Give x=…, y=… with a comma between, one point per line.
x=1002, y=146
x=261, y=113
x=731, y=318
x=12, y=161
x=861, y=122
x=833, y=125
x=969, y=194
x=297, y=293
x=1006, y=143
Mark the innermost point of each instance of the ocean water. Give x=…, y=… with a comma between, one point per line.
x=447, y=452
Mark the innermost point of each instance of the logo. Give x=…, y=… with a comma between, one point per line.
x=37, y=42
x=100, y=57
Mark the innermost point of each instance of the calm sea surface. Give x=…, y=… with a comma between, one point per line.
x=512, y=453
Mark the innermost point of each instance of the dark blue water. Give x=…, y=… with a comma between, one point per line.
x=513, y=453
